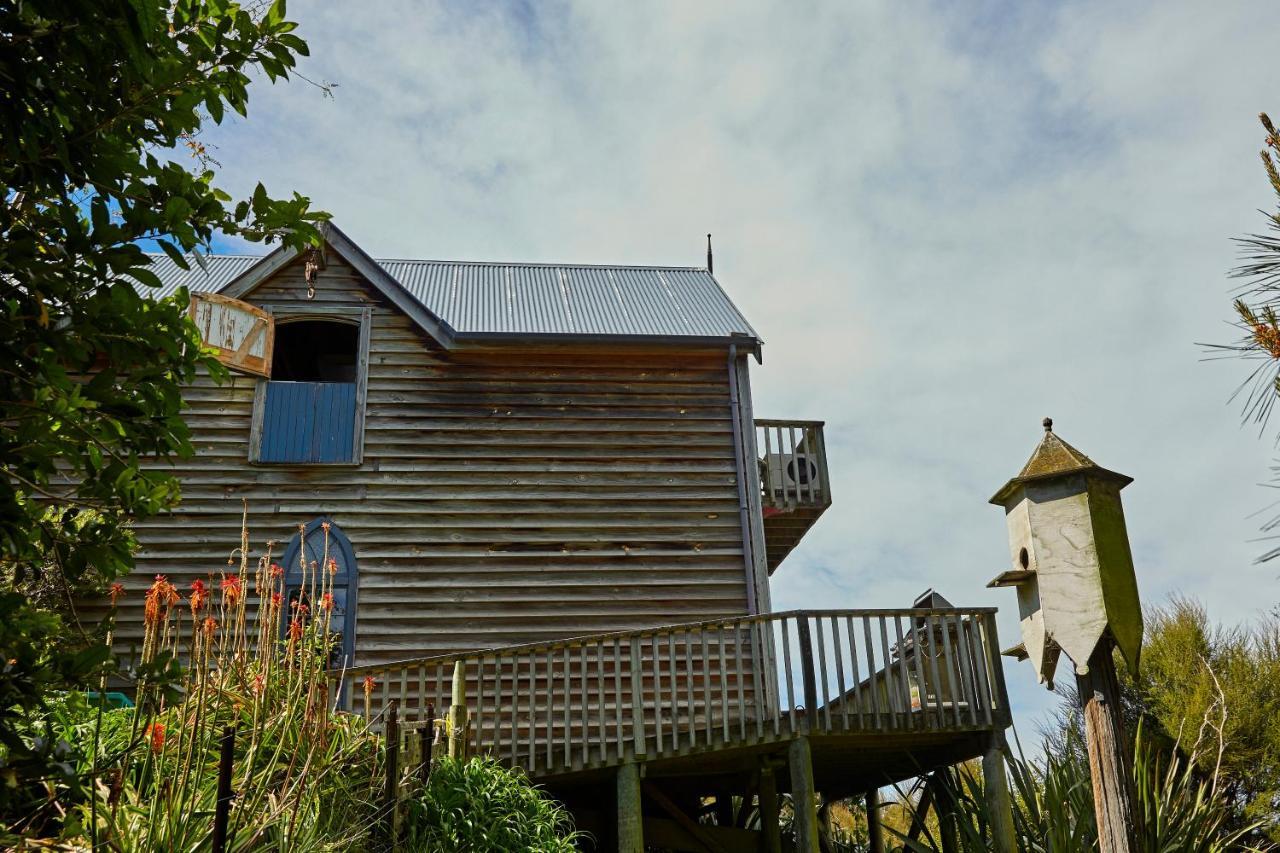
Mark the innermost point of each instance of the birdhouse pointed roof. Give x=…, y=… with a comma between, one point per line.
x=1053, y=457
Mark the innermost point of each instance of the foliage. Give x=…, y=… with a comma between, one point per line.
x=307, y=777
x=1179, y=810
x=99, y=96
x=479, y=806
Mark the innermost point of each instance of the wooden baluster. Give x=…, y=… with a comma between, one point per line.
x=892, y=696
x=904, y=679
x=479, y=719
x=984, y=656
x=805, y=644
x=771, y=498
x=440, y=684
x=551, y=705
x=404, y=688
x=586, y=713
x=853, y=666
x=844, y=693
x=808, y=444
x=707, y=707
x=601, y=702
x=872, y=687
x=690, y=688
x=953, y=691
x=533, y=709
x=724, y=684
x=637, y=700
x=786, y=667
x=966, y=668
x=939, y=713
x=617, y=694
x=917, y=657
x=741, y=676
x=568, y=705
x=822, y=666
x=672, y=666
x=657, y=691
x=422, y=689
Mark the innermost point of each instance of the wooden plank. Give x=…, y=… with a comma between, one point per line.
x=844, y=701
x=657, y=694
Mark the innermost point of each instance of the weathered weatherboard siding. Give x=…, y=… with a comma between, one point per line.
x=505, y=496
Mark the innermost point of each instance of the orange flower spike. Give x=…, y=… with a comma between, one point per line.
x=276, y=600
x=199, y=596
x=324, y=525
x=259, y=683
x=210, y=627
x=155, y=734
x=295, y=630
x=116, y=593
x=333, y=566
x=368, y=687
x=326, y=602
x=277, y=570
x=231, y=589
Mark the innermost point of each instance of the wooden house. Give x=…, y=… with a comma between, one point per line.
x=554, y=474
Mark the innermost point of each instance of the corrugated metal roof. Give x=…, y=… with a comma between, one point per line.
x=516, y=299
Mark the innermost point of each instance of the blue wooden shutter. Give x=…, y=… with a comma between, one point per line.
x=308, y=422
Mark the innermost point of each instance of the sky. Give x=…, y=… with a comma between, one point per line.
x=946, y=220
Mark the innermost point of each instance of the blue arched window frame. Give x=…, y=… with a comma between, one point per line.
x=345, y=581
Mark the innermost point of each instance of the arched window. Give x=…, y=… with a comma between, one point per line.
x=307, y=548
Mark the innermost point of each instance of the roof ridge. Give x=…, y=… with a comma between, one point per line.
x=548, y=264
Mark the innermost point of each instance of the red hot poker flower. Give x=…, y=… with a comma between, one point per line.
x=276, y=600
x=117, y=590
x=326, y=602
x=333, y=566
x=199, y=596
x=155, y=734
x=295, y=630
x=368, y=685
x=277, y=570
x=230, y=587
x=210, y=625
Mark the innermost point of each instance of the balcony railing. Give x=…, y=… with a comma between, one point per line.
x=793, y=465
x=553, y=708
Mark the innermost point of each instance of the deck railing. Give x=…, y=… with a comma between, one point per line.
x=793, y=464
x=595, y=701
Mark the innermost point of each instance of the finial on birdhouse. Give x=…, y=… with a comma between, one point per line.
x=710, y=266
x=1047, y=423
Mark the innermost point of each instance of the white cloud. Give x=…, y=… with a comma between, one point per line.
x=946, y=222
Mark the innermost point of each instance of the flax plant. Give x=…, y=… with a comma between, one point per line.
x=304, y=773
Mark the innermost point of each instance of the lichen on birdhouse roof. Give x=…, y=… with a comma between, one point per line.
x=1053, y=457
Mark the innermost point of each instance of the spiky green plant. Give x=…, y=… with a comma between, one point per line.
x=479, y=806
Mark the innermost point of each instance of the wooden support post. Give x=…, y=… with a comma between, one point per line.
x=1110, y=764
x=391, y=785
x=996, y=790
x=222, y=807
x=630, y=816
x=944, y=807
x=803, y=796
x=768, y=795
x=458, y=714
x=875, y=832
x=426, y=739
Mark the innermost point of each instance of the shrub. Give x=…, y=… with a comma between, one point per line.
x=479, y=806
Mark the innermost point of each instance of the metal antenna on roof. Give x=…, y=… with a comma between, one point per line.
x=710, y=266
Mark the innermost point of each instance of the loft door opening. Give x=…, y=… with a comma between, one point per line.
x=315, y=351
x=309, y=406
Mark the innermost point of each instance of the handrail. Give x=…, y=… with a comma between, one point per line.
x=597, y=700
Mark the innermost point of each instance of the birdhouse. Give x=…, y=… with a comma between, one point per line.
x=1071, y=564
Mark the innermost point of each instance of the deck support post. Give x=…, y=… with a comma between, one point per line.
x=803, y=796
x=996, y=790
x=630, y=816
x=768, y=798
x=875, y=832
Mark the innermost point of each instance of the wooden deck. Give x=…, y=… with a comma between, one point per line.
x=794, y=482
x=690, y=698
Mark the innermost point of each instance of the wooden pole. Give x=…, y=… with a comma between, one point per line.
x=944, y=807
x=629, y=818
x=803, y=796
x=875, y=832
x=1110, y=764
x=392, y=781
x=458, y=714
x=769, y=827
x=222, y=809
x=995, y=786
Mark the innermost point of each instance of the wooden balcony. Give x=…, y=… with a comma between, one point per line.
x=880, y=693
x=794, y=482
